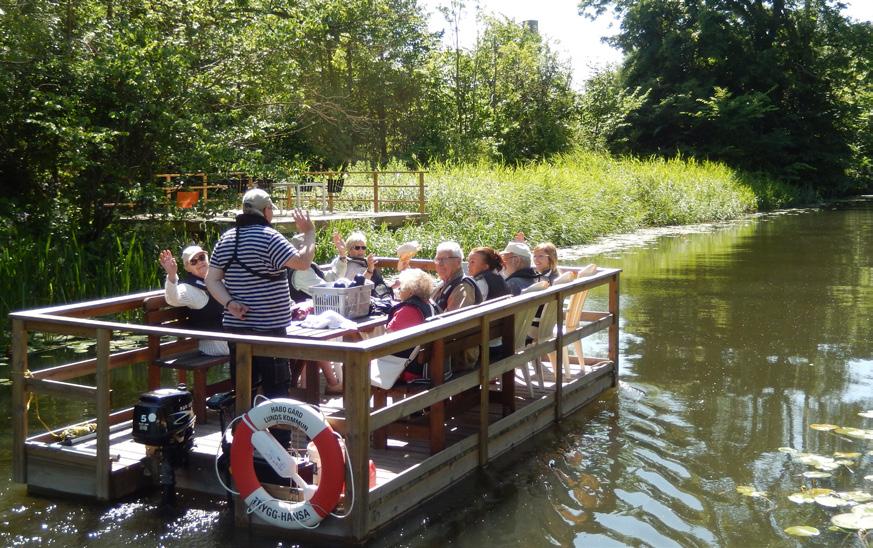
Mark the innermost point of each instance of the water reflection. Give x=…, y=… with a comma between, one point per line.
x=733, y=341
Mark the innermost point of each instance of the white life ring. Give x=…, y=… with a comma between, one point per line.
x=290, y=515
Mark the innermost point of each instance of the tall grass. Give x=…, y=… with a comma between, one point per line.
x=568, y=200
x=577, y=197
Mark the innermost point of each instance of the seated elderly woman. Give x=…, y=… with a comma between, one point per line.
x=484, y=265
x=545, y=260
x=191, y=291
x=415, y=287
x=352, y=259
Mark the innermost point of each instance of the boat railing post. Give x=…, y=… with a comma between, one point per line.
x=104, y=465
x=559, y=357
x=19, y=399
x=613, y=327
x=484, y=382
x=357, y=399
x=243, y=378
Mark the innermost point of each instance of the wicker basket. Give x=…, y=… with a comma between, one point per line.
x=349, y=302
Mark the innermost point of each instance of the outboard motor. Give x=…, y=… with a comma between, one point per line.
x=164, y=420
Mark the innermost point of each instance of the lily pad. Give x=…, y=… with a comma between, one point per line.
x=812, y=474
x=823, y=427
x=851, y=432
x=853, y=521
x=802, y=531
x=807, y=496
x=801, y=498
x=749, y=491
x=855, y=496
x=830, y=501
x=863, y=508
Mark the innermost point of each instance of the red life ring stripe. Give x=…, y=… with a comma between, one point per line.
x=281, y=513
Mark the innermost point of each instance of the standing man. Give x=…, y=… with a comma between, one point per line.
x=247, y=276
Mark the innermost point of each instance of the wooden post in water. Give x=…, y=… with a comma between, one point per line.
x=243, y=378
x=19, y=401
x=104, y=464
x=613, y=327
x=243, y=403
x=357, y=403
x=484, y=383
x=375, y=192
x=421, y=192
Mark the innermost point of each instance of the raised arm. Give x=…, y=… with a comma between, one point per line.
x=303, y=258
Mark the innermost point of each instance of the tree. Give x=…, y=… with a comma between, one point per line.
x=604, y=108
x=754, y=83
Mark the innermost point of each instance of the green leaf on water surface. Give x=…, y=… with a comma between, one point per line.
x=855, y=496
x=866, y=414
x=801, y=498
x=80, y=347
x=851, y=432
x=812, y=474
x=830, y=501
x=853, y=521
x=808, y=496
x=863, y=508
x=823, y=427
x=749, y=491
x=5, y=382
x=802, y=531
x=846, y=455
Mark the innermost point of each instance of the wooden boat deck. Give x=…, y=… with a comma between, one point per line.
x=53, y=471
x=409, y=472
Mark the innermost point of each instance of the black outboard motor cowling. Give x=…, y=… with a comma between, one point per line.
x=164, y=419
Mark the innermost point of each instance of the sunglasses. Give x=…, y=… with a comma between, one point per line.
x=359, y=247
x=197, y=258
x=442, y=260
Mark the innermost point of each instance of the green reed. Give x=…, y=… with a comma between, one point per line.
x=569, y=200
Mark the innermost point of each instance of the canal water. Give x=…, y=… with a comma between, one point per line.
x=735, y=338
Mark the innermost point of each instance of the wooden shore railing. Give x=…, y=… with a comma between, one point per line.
x=372, y=508
x=335, y=184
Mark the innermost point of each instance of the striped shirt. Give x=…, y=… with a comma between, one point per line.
x=265, y=251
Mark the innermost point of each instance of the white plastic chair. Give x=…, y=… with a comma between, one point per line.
x=523, y=321
x=572, y=319
x=547, y=322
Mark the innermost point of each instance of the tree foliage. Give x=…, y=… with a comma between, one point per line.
x=770, y=85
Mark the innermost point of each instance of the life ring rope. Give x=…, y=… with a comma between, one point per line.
x=317, y=504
